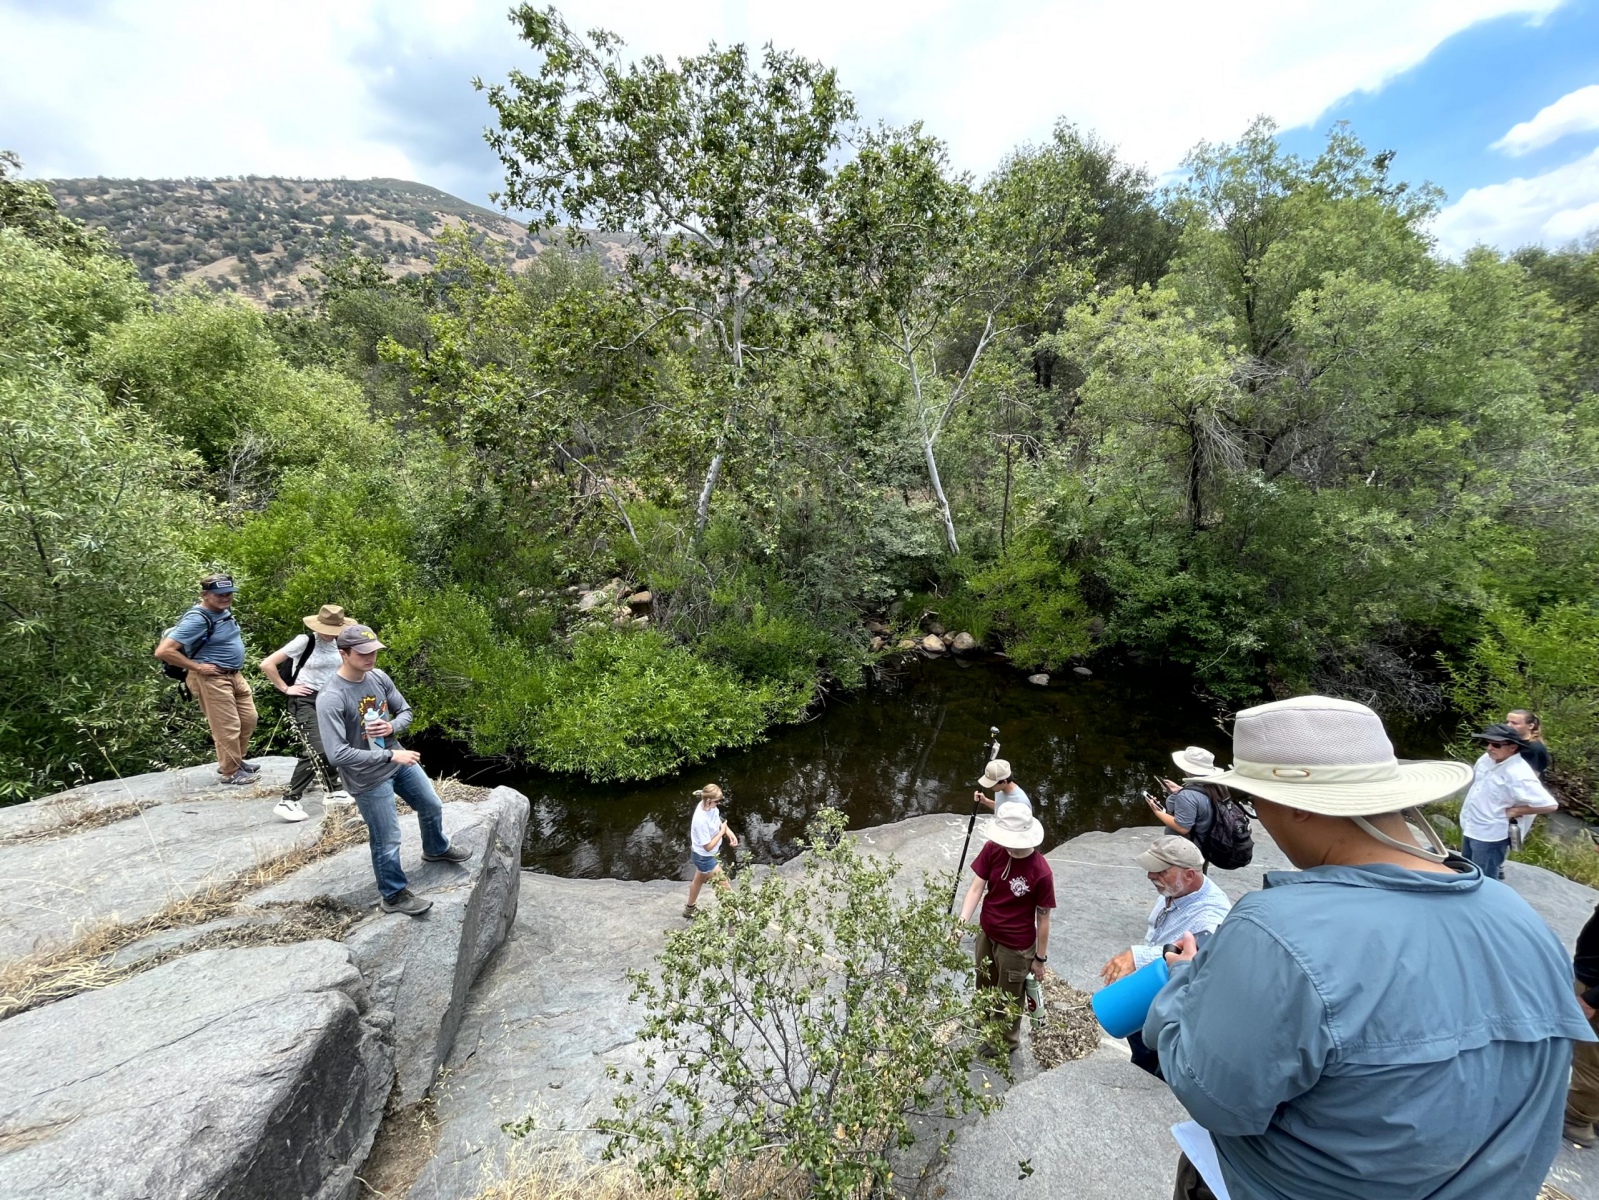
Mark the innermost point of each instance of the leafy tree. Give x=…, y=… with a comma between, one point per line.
x=716, y=165
x=97, y=555
x=808, y=1019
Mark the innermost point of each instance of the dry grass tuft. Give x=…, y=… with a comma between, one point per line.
x=452, y=790
x=1070, y=1030
x=84, y=964
x=1550, y=1192
x=66, y=820
x=559, y=1171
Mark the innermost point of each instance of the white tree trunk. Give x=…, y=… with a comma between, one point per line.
x=702, y=510
x=943, y=500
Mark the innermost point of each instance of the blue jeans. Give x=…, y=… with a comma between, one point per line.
x=1489, y=856
x=383, y=824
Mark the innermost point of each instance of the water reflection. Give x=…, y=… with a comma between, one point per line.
x=1085, y=750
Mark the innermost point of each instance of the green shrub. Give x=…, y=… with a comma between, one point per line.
x=812, y=1019
x=1032, y=602
x=1548, y=663
x=631, y=705
x=97, y=557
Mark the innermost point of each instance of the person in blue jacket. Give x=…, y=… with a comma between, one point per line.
x=1383, y=1024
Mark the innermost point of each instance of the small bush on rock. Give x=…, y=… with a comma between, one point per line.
x=811, y=1019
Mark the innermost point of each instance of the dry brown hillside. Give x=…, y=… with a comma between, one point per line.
x=260, y=237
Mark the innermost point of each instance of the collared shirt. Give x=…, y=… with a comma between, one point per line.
x=224, y=648
x=1495, y=788
x=1198, y=912
x=1375, y=1033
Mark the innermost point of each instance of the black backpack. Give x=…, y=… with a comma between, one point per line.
x=1228, y=843
x=299, y=664
x=177, y=673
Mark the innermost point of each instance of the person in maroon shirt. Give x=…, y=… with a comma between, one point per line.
x=1017, y=891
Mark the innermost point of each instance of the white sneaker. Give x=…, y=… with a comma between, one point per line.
x=337, y=798
x=290, y=810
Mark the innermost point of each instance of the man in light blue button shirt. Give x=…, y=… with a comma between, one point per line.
x=1188, y=903
x=1382, y=1024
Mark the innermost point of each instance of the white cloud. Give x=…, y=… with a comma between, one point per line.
x=1556, y=207
x=1575, y=112
x=175, y=87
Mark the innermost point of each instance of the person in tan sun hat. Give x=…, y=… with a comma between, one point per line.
x=1016, y=888
x=299, y=669
x=1383, y=1024
x=1189, y=808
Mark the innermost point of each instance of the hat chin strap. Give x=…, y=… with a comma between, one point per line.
x=1439, y=852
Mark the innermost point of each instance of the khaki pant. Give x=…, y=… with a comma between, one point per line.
x=229, y=708
x=1582, y=1102
x=1006, y=969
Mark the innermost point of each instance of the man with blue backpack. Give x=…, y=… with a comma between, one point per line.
x=205, y=650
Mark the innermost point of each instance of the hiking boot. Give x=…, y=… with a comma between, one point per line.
x=248, y=768
x=688, y=912
x=1582, y=1135
x=238, y=780
x=455, y=854
x=290, y=810
x=405, y=901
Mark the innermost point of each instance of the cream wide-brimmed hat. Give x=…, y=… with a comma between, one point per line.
x=329, y=619
x=1195, y=761
x=1015, y=828
x=1332, y=757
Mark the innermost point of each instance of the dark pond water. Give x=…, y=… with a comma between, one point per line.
x=1084, y=750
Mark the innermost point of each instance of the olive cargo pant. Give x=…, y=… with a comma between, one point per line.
x=1582, y=1102
x=1006, y=969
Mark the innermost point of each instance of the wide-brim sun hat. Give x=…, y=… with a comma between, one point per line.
x=1015, y=828
x=1332, y=757
x=329, y=619
x=1195, y=761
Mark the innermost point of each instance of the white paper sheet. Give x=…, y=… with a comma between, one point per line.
x=1193, y=1139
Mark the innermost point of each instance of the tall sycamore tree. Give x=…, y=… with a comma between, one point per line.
x=716, y=164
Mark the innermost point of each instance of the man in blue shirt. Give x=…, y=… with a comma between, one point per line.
x=1384, y=1023
x=207, y=644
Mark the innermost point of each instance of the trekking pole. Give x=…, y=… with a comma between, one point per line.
x=990, y=753
x=310, y=752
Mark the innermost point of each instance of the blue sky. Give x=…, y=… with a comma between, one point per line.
x=382, y=87
x=1446, y=115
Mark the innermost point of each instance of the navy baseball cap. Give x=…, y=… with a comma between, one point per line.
x=221, y=584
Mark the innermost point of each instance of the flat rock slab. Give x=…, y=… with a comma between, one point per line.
x=195, y=834
x=550, y=1011
x=241, y=1073
x=422, y=968
x=547, y=1015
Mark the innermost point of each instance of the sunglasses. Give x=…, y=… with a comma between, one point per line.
x=1499, y=745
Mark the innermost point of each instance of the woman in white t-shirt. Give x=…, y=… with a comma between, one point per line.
x=705, y=834
x=299, y=670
